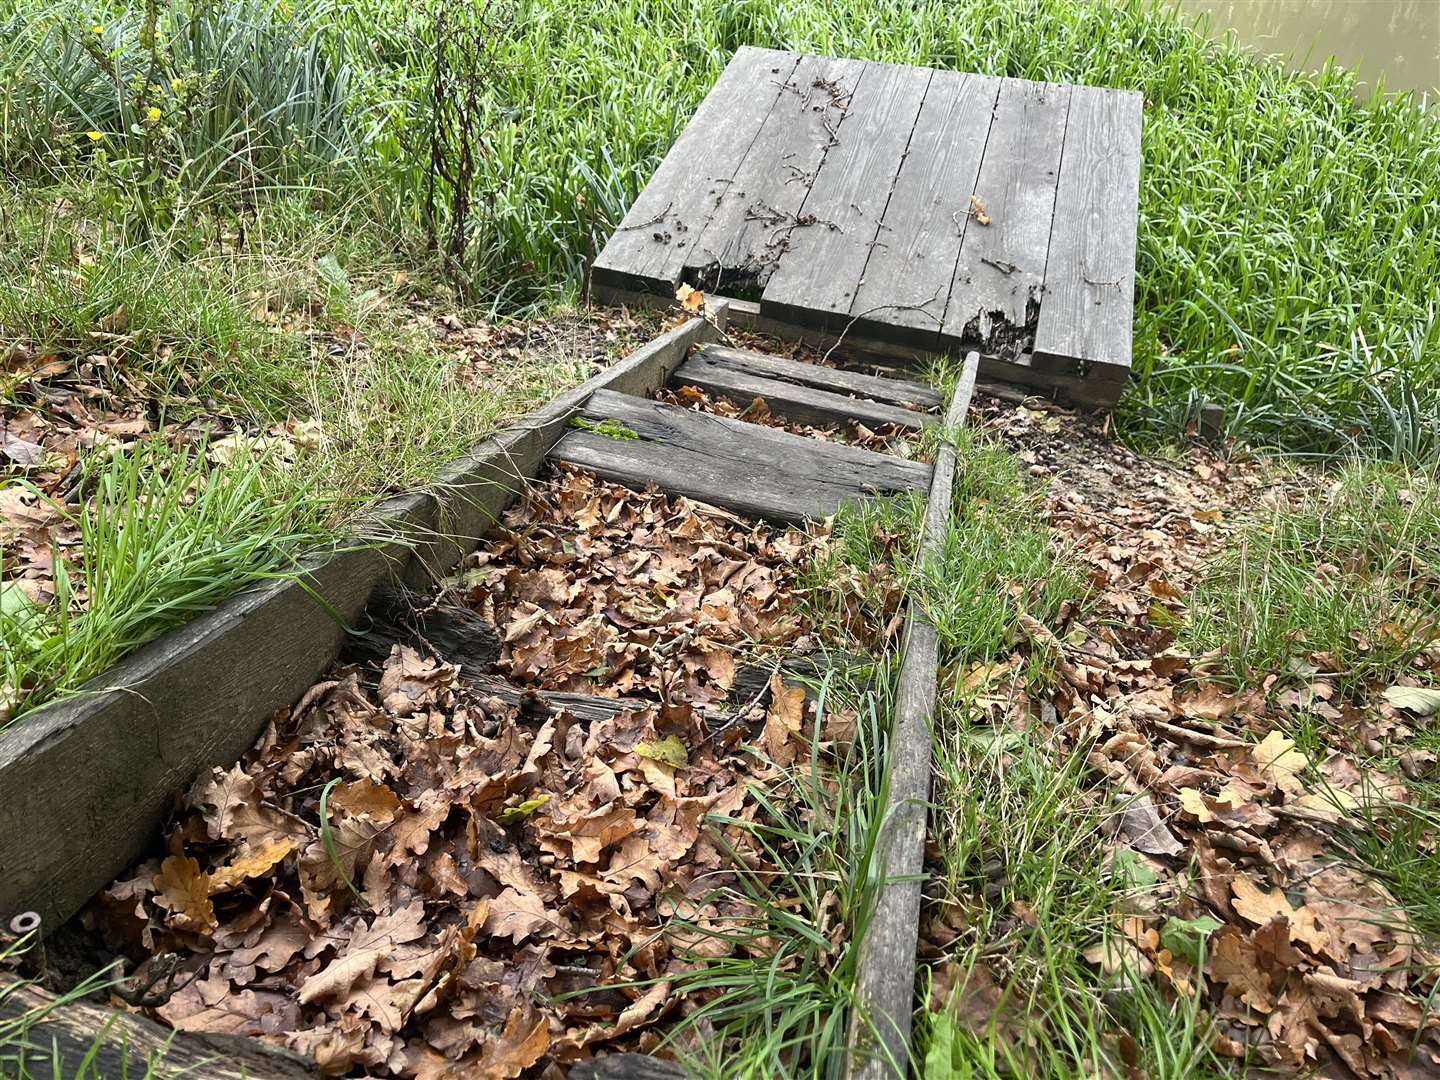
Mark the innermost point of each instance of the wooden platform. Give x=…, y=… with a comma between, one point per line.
x=934, y=210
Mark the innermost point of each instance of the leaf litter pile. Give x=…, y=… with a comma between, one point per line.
x=1217, y=826
x=410, y=877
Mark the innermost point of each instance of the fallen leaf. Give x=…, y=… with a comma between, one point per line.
x=1420, y=700
x=253, y=864
x=184, y=890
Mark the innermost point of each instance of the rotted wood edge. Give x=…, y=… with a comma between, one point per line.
x=85, y=782
x=879, y=1034
x=1101, y=388
x=124, y=1044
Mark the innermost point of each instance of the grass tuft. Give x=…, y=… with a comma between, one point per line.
x=1345, y=585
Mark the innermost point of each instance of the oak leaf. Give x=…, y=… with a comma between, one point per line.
x=784, y=721
x=1233, y=962
x=253, y=864
x=1280, y=763
x=183, y=889
x=366, y=948
x=525, y=1038
x=517, y=915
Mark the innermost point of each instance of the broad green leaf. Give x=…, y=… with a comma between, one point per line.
x=1183, y=937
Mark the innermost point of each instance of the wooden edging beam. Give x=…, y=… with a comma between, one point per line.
x=85, y=782
x=126, y=1044
x=879, y=1035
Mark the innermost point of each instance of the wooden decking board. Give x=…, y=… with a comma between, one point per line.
x=906, y=282
x=758, y=210
x=901, y=392
x=1001, y=269
x=819, y=274
x=807, y=404
x=1088, y=311
x=649, y=248
x=742, y=467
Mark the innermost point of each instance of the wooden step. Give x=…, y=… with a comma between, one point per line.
x=747, y=468
x=808, y=393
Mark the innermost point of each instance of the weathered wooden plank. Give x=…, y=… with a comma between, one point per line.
x=902, y=392
x=803, y=403
x=906, y=284
x=753, y=445
x=85, y=782
x=818, y=275
x=750, y=229
x=860, y=351
x=649, y=248
x=742, y=467
x=885, y=984
x=999, y=276
x=124, y=1043
x=1087, y=315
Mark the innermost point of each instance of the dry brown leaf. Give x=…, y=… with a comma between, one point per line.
x=784, y=722
x=183, y=889
x=518, y=915
x=367, y=947
x=526, y=1037
x=254, y=864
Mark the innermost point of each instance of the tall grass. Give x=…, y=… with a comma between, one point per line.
x=1289, y=234
x=1289, y=239
x=236, y=95
x=165, y=537
x=1347, y=582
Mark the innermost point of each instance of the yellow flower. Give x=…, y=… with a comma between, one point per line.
x=95, y=136
x=176, y=83
x=97, y=28
x=153, y=113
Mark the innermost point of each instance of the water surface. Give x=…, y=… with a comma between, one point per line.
x=1394, y=40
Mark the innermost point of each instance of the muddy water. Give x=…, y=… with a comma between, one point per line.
x=1394, y=40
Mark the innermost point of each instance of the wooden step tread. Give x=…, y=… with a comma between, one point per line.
x=899, y=392
x=743, y=379
x=747, y=468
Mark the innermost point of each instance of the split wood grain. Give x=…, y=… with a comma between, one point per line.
x=746, y=468
x=115, y=1044
x=1001, y=268
x=806, y=404
x=650, y=247
x=759, y=209
x=906, y=281
x=820, y=272
x=879, y=1033
x=893, y=391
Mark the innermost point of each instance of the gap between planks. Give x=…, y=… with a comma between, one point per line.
x=879, y=1036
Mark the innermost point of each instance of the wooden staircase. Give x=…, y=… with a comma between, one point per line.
x=751, y=468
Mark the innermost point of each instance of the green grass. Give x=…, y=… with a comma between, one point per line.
x=1287, y=235
x=997, y=560
x=312, y=324
x=778, y=986
x=1347, y=584
x=1021, y=832
x=166, y=535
